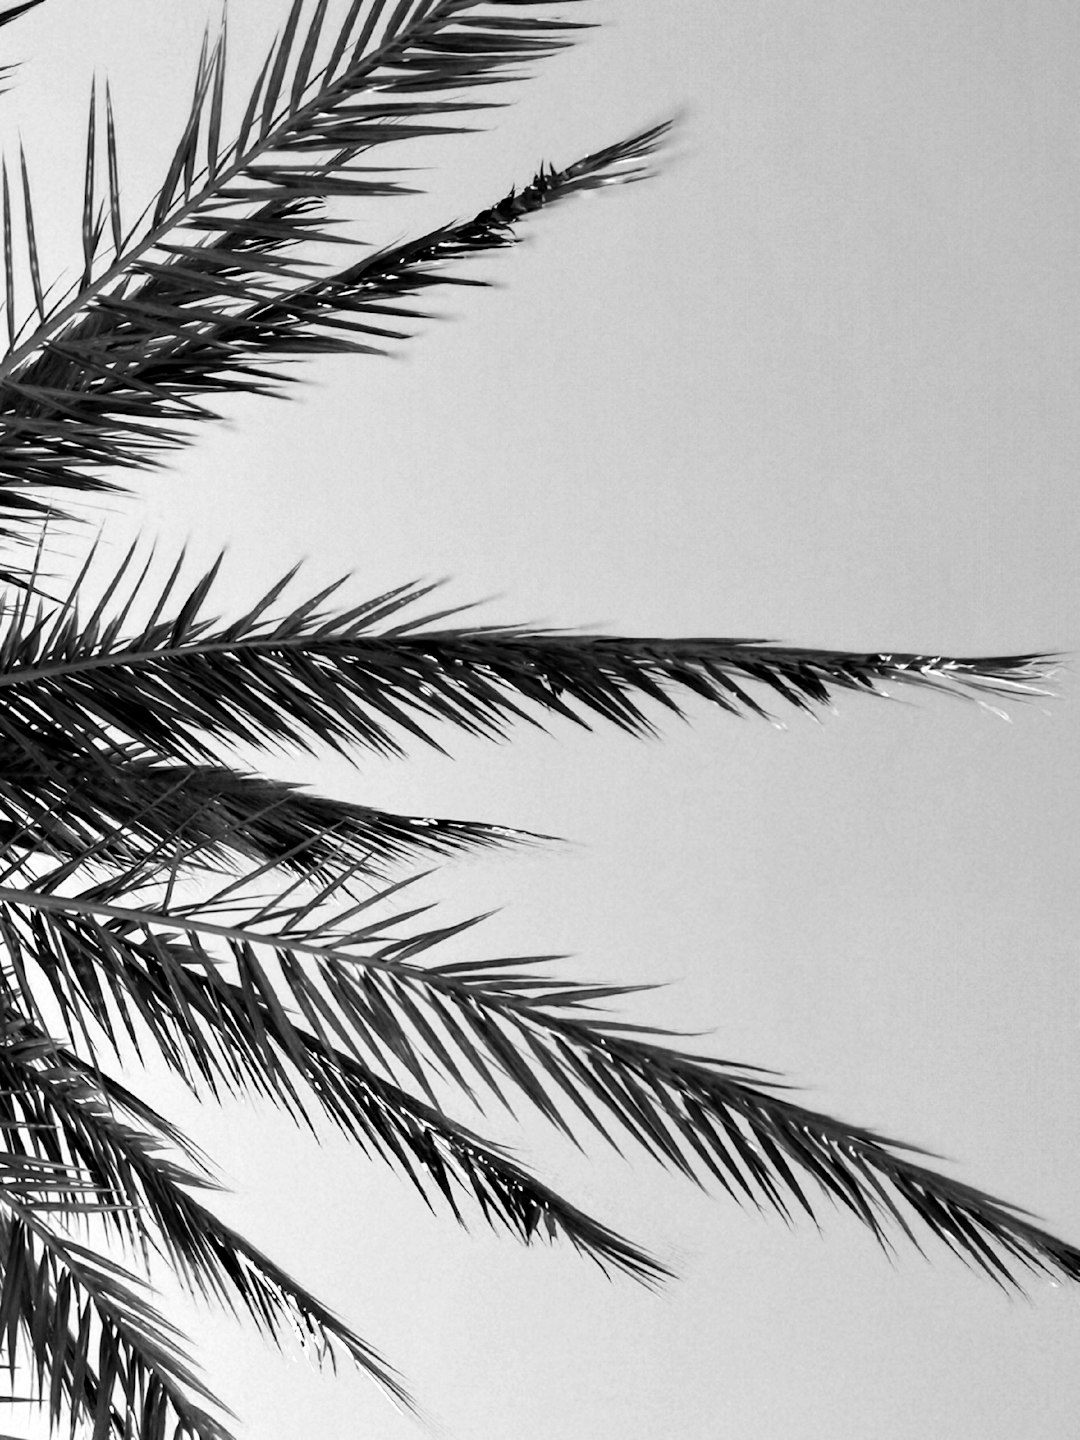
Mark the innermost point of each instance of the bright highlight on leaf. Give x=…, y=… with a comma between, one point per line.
x=155, y=899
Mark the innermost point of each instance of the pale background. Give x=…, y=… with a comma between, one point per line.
x=817, y=383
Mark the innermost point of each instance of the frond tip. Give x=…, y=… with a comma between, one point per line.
x=365, y=676
x=126, y=382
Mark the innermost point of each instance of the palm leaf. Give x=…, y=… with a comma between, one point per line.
x=114, y=790
x=63, y=1307
x=195, y=292
x=347, y=678
x=237, y=1038
x=53, y=1100
x=488, y=1023
x=119, y=391
x=59, y=800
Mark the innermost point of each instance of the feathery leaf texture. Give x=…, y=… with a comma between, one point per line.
x=115, y=395
x=156, y=900
x=71, y=1117
x=64, y=1307
x=115, y=968
x=185, y=680
x=196, y=299
x=55, y=799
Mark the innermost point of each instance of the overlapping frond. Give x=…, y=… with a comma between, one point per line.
x=76, y=1329
x=88, y=802
x=70, y=1143
x=120, y=394
x=93, y=1345
x=118, y=722
x=488, y=1026
x=236, y=1037
x=65, y=1115
x=696, y=1114
x=196, y=298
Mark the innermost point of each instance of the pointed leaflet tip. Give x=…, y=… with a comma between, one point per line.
x=9, y=269
x=113, y=174
x=90, y=233
x=31, y=237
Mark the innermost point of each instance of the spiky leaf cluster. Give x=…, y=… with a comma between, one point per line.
x=157, y=900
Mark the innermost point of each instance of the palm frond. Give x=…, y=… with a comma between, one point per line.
x=349, y=678
x=35, y=1170
x=92, y=1341
x=55, y=1102
x=41, y=1183
x=132, y=389
x=195, y=297
x=72, y=1144
x=54, y=1111
x=293, y=979
x=487, y=1023
x=58, y=800
x=56, y=1096
x=691, y=1112
x=237, y=1038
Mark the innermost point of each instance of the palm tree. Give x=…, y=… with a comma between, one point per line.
x=158, y=899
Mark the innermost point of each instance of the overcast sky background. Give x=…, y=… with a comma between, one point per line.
x=817, y=382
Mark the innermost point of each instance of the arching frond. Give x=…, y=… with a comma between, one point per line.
x=55, y=1101
x=350, y=677
x=195, y=297
x=489, y=1024
x=119, y=392
x=237, y=1037
x=57, y=799
x=293, y=979
x=91, y=1341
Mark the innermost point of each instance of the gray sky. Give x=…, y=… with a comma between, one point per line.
x=817, y=382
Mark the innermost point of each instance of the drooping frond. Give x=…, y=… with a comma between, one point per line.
x=693, y=1113
x=196, y=297
x=64, y=1308
x=369, y=1006
x=91, y=1341
x=237, y=1038
x=53, y=1099
x=117, y=786
x=55, y=1111
x=362, y=676
x=63, y=800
